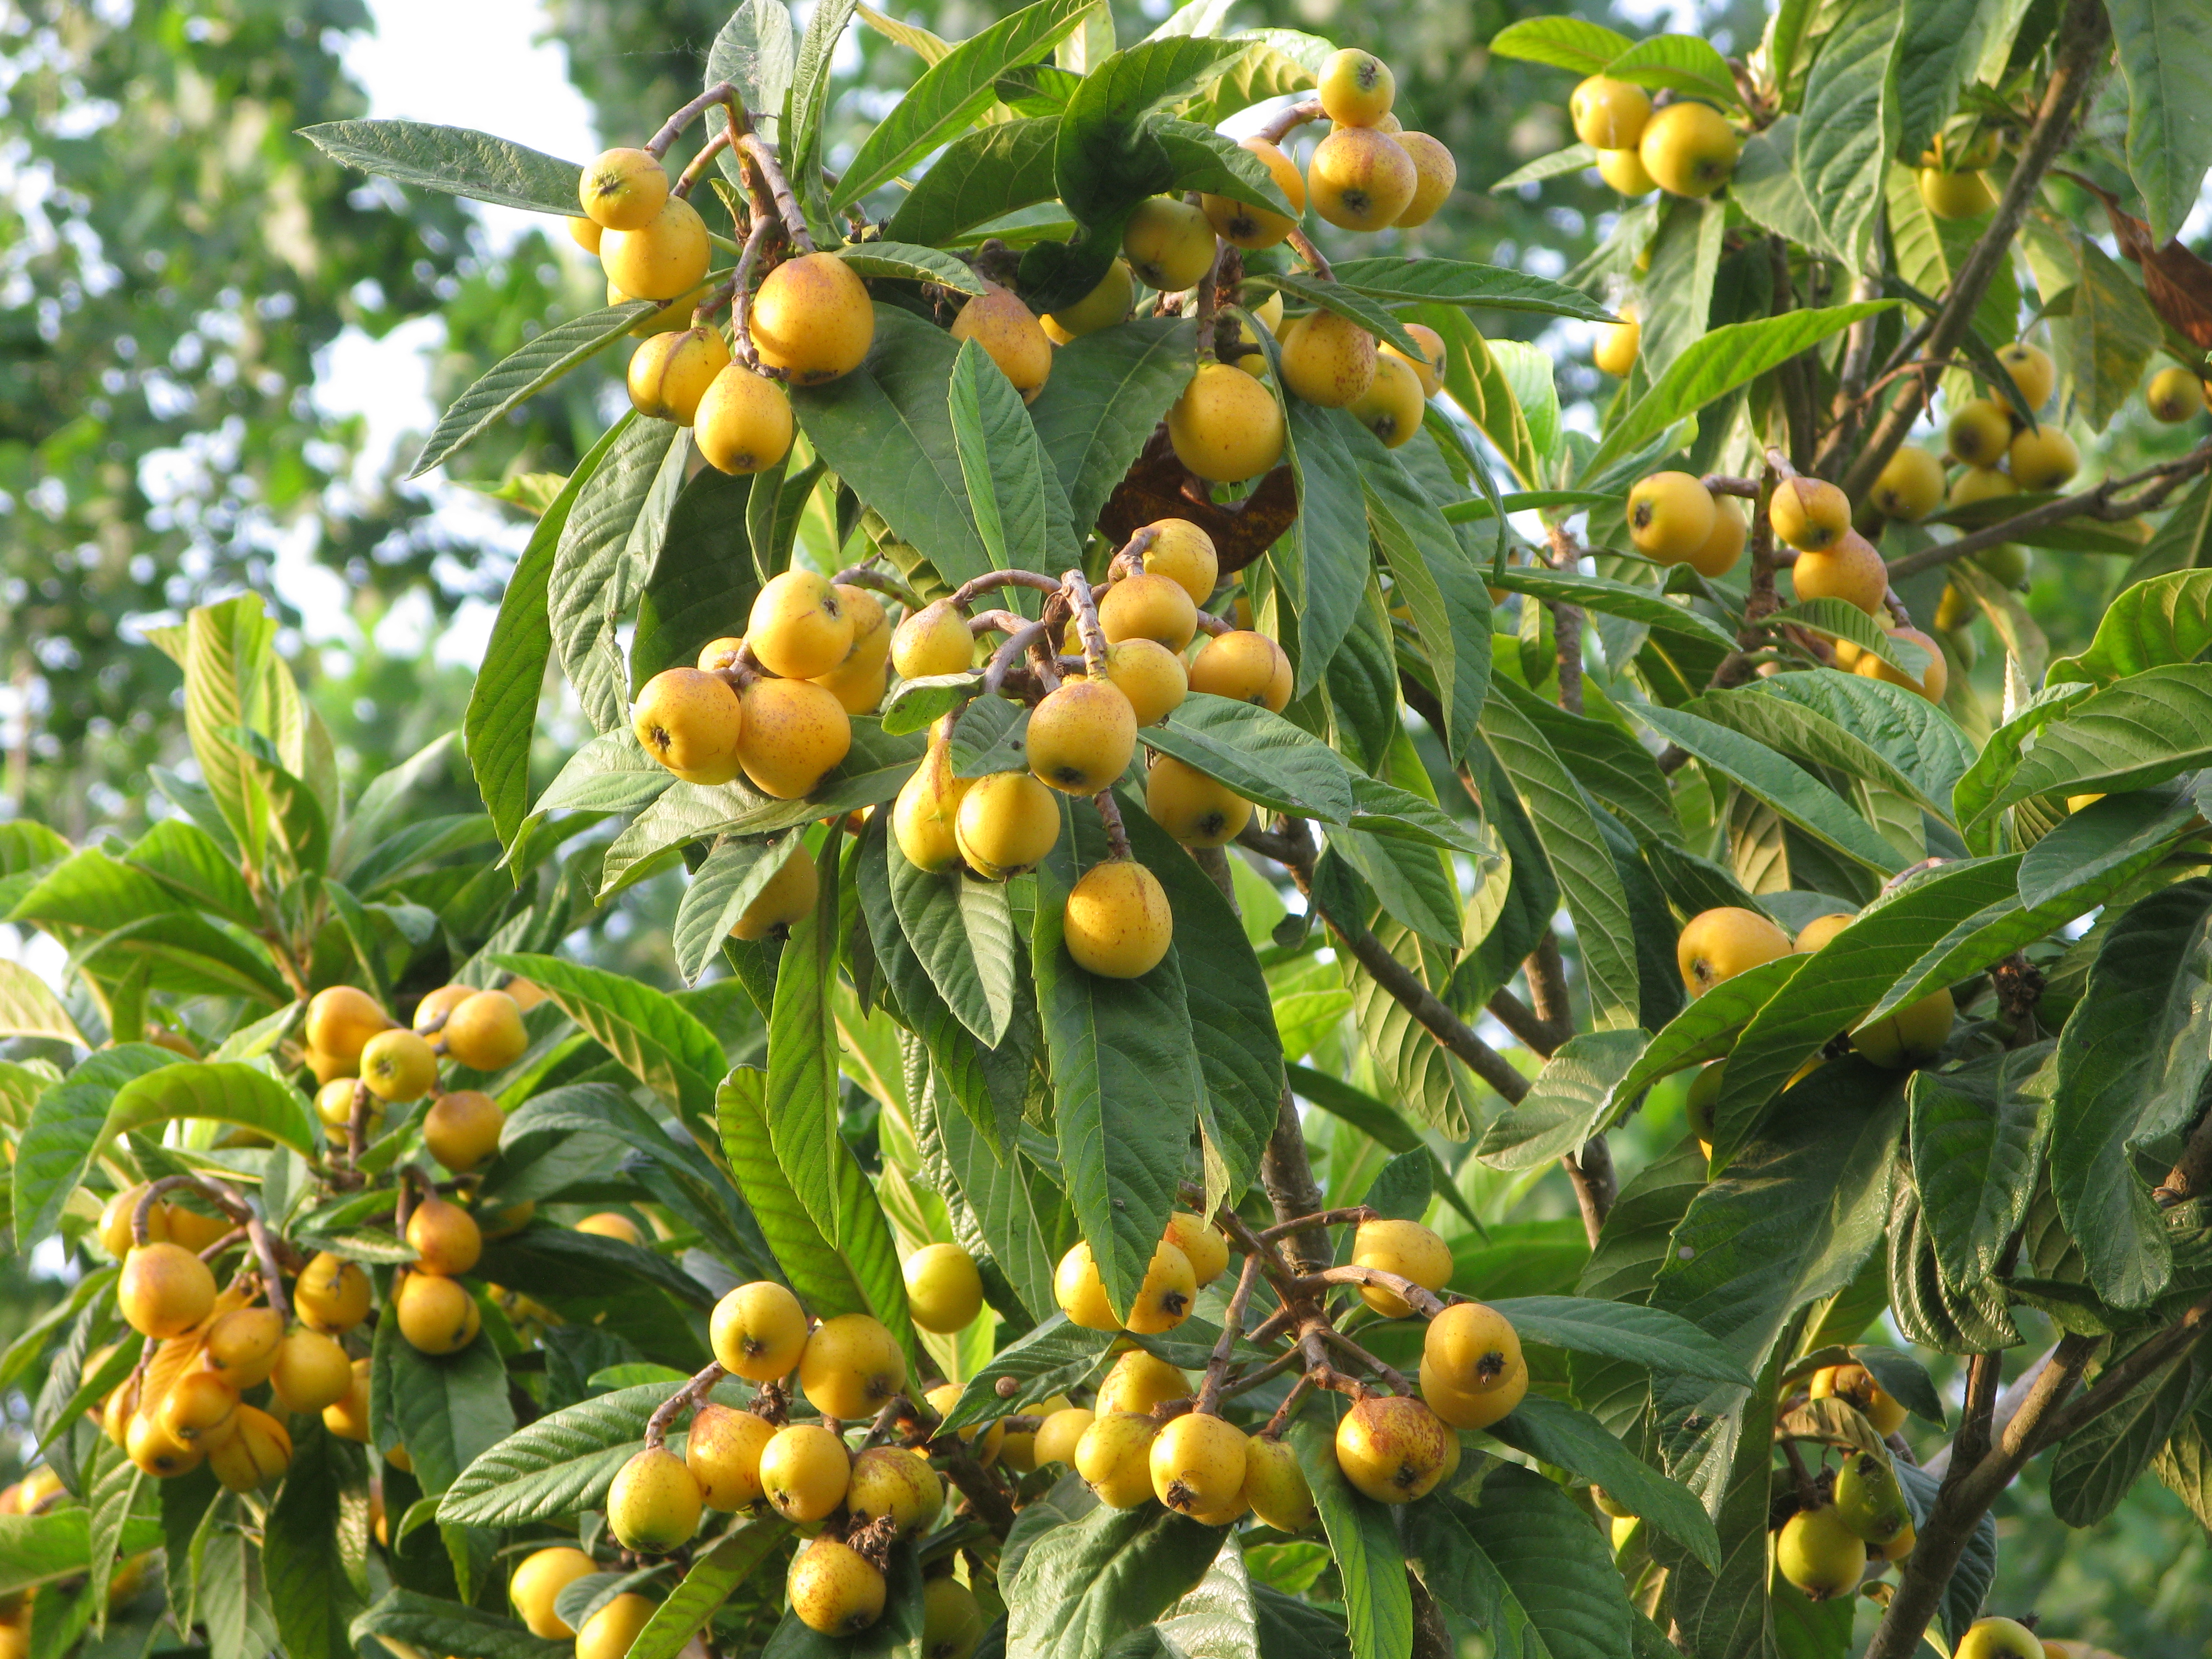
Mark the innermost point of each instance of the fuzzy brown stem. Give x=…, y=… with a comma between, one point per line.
x=696, y=168
x=1349, y=1216
x=1296, y=116
x=1315, y=261
x=1088, y=629
x=1425, y=1303
x=1117, y=832
x=724, y=93
x=964, y=595
x=1286, y=1175
x=755, y=150
x=1232, y=1324
x=2192, y=1171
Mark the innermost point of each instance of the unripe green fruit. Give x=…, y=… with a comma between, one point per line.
x=1168, y=243
x=1821, y=1555
x=2008, y=561
x=794, y=734
x=2043, y=458
x=1275, y=1487
x=1082, y=736
x=804, y=1470
x=1226, y=427
x=1115, y=1457
x=1005, y=823
x=723, y=1452
x=1392, y=1448
x=1688, y=150
x=1670, y=515
x=663, y=259
x=1118, y=925
x=1978, y=433
x=943, y=1291
x=835, y=1589
x=1868, y=1498
x=850, y=1367
x=1608, y=114
x=1981, y=484
x=691, y=721
x=653, y=1505
x=812, y=318
x=1956, y=194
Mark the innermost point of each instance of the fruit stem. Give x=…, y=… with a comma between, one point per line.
x=1809, y=1496
x=142, y=1215
x=1296, y=116
x=1396, y=1379
x=1232, y=1326
x=1316, y=260
x=1281, y=1420
x=691, y=1395
x=272, y=1279
x=1077, y=586
x=741, y=297
x=859, y=576
x=1129, y=558
x=963, y=595
x=357, y=1122
x=786, y=205
x=1206, y=301
x=1720, y=484
x=1010, y=653
x=716, y=144
x=1349, y=1216
x=1425, y=1303
x=1275, y=1368
x=1781, y=463
x=724, y=93
x=1117, y=833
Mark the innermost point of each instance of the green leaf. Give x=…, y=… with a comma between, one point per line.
x=1438, y=581
x=455, y=159
x=756, y=52
x=611, y=540
x=1108, y=390
x=952, y=93
x=28, y=1007
x=2166, y=53
x=713, y=1577
x=1051, y=1359
x=1792, y=1219
x=1126, y=1078
x=1559, y=1434
x=1378, y=1604
x=1567, y=43
x=1346, y=302
x=2106, y=336
x=802, y=1098
x=226, y=645
x=657, y=1040
x=1081, y=1588
x=1257, y=753
x=1523, y=1562
x=314, y=1545
x=704, y=576
x=1975, y=1154
x=2165, y=621
x=1726, y=358
x=2118, y=833
x=1766, y=187
x=1650, y=1338
x=802, y=146
x=1792, y=793
x=191, y=864
x=2095, y=1467
x=1938, y=47
x=1867, y=727
x=1840, y=619
x=980, y=177
x=1575, y=158
x=1479, y=386
x=1201, y=159
x=823, y=1279
x=1681, y=62
x=56, y=1544
x=447, y=1410
x=1566, y=1103
x=735, y=874
x=885, y=430
x=1577, y=853
x=66, y=1128
x=523, y=375
x=1849, y=124
x=2138, y=731
x=1321, y=566
x=2130, y=1063
x=1614, y=599
x=1021, y=513
x=451, y=1628
x=911, y=263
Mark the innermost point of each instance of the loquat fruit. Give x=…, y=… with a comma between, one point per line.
x=1005, y=823
x=1148, y=607
x=1118, y=926
x=1852, y=571
x=790, y=894
x=1392, y=1448
x=1193, y=808
x=1010, y=334
x=1356, y=87
x=1252, y=227
x=1082, y=735
x=462, y=1128
x=944, y=1291
x=1670, y=515
x=794, y=734
x=1106, y=305
x=1226, y=427
x=1361, y=180
x=1719, y=944
x=1910, y=485
x=851, y=1366
x=813, y=319
x=670, y=372
x=689, y=721
x=622, y=189
x=1168, y=243
x=742, y=424
x=663, y=259
x=1688, y=148
x=758, y=1331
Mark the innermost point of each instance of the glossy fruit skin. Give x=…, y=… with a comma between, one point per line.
x=834, y=1589
x=1356, y=87
x=310, y=1371
x=943, y=1291
x=799, y=626
x=1998, y=1639
x=663, y=259
x=790, y=894
x=1955, y=195
x=1392, y=1448
x=1008, y=330
x=1670, y=515
x=723, y=1452
x=341, y=1019
x=538, y=1583
x=436, y=1315
x=1608, y=114
x=1910, y=486
x=1852, y=571
x=850, y=1367
x=153, y=1450
x=1868, y=1500
x=1911, y=1035
x=1115, y=1456
x=2173, y=395
x=1856, y=1384
x=1194, y=808
x=1617, y=346
x=2043, y=458
x=1688, y=150
x=691, y=721
x=164, y=1290
x=928, y=802
x=609, y=1224
x=1275, y=1487
x=608, y=1633
x=654, y=1503
x=1474, y=1348
x=399, y=1066
x=1202, y=1245
x=1719, y=944
x=742, y=424
x=804, y=1470
x=2032, y=373
x=348, y=1417
x=895, y=1483
x=1185, y=555
x=622, y=189
x=1057, y=1437
x=1148, y=607
x=1716, y=556
x=1152, y=677
x=1226, y=427
x=1361, y=180
x=1429, y=366
x=1393, y=404
x=1197, y=1463
x=1818, y=931
x=1005, y=823
x=1103, y=307
x=670, y=372
x=1820, y=1555
x=1077, y=1286
x=1168, y=244
x=1117, y=923
x=1137, y=1381
x=1809, y=514
x=1081, y=737
x=462, y=1128
x=486, y=1033
x=933, y=641
x=1406, y=1249
x=795, y=733
x=1249, y=226
x=1459, y=1409
x=1328, y=360
x=1932, y=681
x=812, y=318
x=1164, y=1300
x=241, y=1347
x=444, y=1237
x=1245, y=666
x=1625, y=170
x=1978, y=433
x=952, y=1620
x=115, y=1215
x=199, y=1409
x=1436, y=172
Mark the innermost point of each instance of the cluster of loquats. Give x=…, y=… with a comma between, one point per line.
x=1683, y=146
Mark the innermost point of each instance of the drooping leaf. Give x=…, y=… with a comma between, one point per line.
x=454, y=160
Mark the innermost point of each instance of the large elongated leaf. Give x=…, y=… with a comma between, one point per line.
x=65, y=1130
x=1378, y=1605
x=980, y=177
x=312, y=1549
x=455, y=159
x=1021, y=511
x=1259, y=754
x=1523, y=1563
x=802, y=1100
x=450, y=1627
x=2095, y=1467
x=2153, y=624
x=823, y=1277
x=1108, y=390
x=1567, y=43
x=1559, y=1434
x=1975, y=1156
x=1081, y=1587
x=1652, y=1338
x=1849, y=128
x=661, y=1042
x=1638, y=604
x=712, y=1576
x=523, y=375
x=2141, y=730
x=1566, y=1104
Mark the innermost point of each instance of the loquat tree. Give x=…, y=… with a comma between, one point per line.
x=1054, y=493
